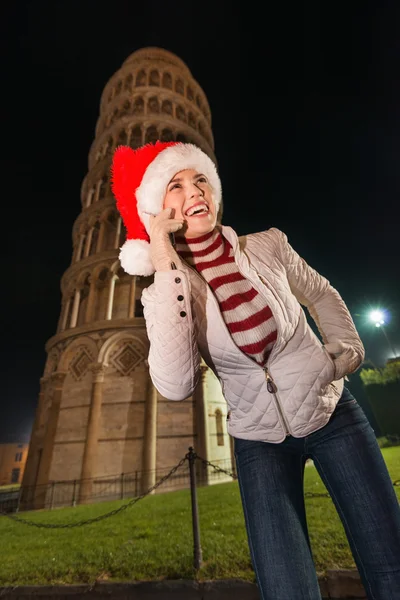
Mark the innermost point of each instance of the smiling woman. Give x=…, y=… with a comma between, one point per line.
x=189, y=194
x=236, y=303
x=156, y=198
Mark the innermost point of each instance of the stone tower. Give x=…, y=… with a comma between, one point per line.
x=98, y=414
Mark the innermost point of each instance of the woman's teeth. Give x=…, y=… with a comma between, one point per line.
x=197, y=210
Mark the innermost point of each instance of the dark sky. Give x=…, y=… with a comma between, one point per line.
x=305, y=105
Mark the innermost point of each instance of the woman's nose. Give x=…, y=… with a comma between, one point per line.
x=195, y=191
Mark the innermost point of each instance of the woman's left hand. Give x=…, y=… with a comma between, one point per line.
x=345, y=358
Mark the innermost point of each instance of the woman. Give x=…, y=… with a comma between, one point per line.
x=237, y=303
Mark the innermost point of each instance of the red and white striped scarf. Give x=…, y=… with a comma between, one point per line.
x=247, y=316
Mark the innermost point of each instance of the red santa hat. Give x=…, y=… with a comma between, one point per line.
x=139, y=180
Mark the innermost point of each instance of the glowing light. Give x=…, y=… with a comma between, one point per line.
x=377, y=317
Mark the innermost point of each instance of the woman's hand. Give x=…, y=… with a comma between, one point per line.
x=345, y=358
x=161, y=249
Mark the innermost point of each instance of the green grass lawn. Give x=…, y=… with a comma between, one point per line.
x=153, y=538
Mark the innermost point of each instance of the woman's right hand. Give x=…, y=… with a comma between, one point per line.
x=161, y=249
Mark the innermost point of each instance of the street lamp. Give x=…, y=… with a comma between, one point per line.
x=378, y=318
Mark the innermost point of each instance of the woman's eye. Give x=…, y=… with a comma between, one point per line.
x=202, y=180
x=175, y=185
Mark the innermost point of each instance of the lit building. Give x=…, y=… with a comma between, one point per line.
x=12, y=462
x=99, y=415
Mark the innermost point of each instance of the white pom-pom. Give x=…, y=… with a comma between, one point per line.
x=135, y=258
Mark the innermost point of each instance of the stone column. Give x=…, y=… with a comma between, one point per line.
x=117, y=233
x=149, y=437
x=79, y=251
x=88, y=242
x=92, y=433
x=96, y=192
x=110, y=303
x=132, y=298
x=202, y=446
x=57, y=382
x=65, y=315
x=75, y=309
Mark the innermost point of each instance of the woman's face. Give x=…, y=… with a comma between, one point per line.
x=190, y=194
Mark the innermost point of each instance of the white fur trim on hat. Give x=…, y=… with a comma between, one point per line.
x=135, y=258
x=151, y=192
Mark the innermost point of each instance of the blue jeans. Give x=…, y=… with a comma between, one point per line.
x=350, y=463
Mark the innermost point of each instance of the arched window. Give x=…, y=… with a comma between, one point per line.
x=122, y=138
x=151, y=135
x=101, y=296
x=189, y=93
x=167, y=81
x=141, y=78
x=167, y=135
x=95, y=237
x=114, y=116
x=128, y=83
x=126, y=109
x=202, y=129
x=166, y=107
x=154, y=78
x=138, y=106
x=136, y=137
x=110, y=231
x=180, y=113
x=219, y=427
x=179, y=87
x=192, y=120
x=121, y=294
x=83, y=300
x=109, y=147
x=181, y=138
x=153, y=106
x=104, y=187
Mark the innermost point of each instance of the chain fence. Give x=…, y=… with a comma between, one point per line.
x=188, y=460
x=118, y=487
x=57, y=494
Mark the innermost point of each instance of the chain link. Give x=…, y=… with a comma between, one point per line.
x=100, y=517
x=216, y=467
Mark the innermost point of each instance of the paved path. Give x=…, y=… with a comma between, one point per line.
x=335, y=586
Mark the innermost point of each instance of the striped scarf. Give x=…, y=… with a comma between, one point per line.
x=248, y=318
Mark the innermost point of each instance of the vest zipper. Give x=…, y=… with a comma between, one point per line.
x=271, y=387
x=270, y=382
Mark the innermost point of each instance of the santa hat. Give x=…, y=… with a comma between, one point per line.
x=139, y=180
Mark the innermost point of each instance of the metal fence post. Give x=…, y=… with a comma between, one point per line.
x=198, y=555
x=74, y=494
x=122, y=486
x=52, y=495
x=19, y=498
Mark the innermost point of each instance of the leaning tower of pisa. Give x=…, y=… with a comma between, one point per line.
x=98, y=414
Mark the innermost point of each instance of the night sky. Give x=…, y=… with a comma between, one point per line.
x=305, y=106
